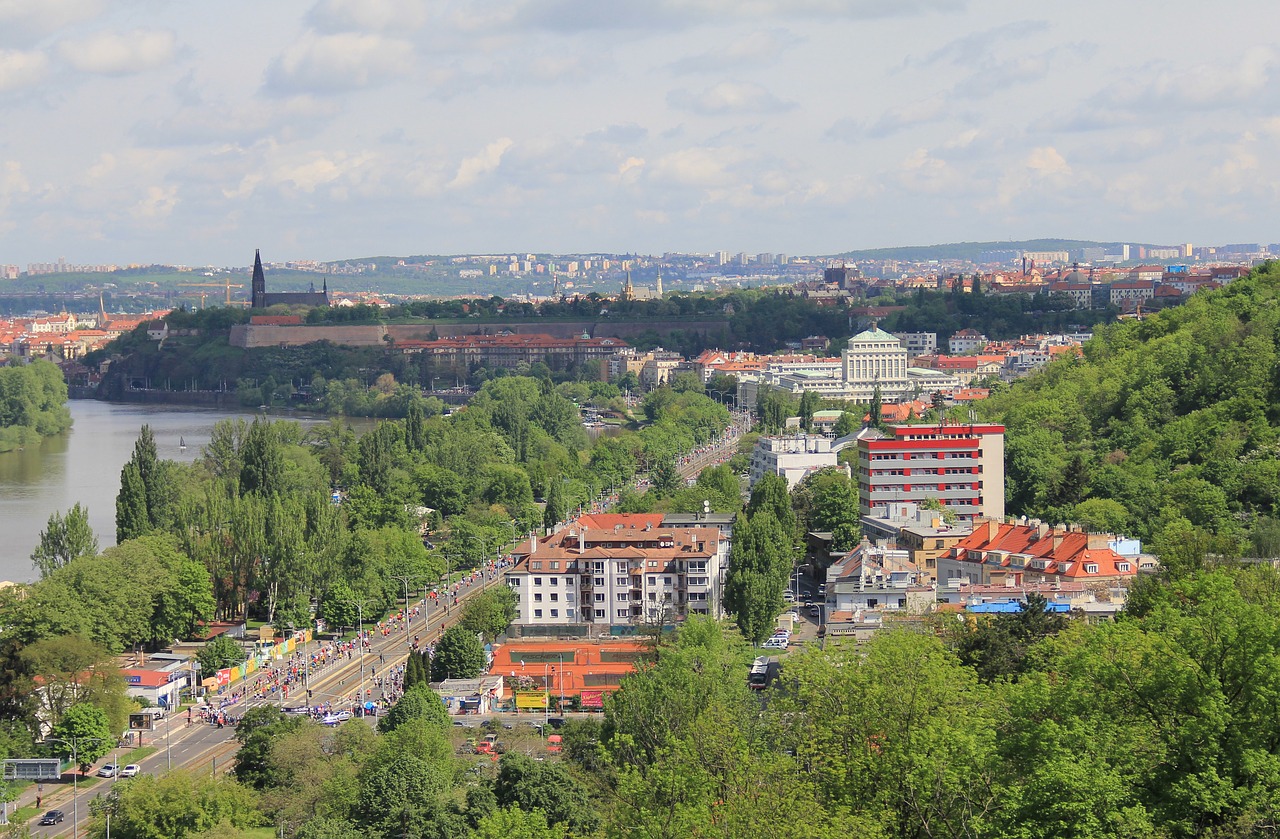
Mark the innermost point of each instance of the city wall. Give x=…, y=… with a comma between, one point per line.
x=372, y=335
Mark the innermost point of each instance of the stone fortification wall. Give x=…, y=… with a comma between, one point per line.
x=265, y=335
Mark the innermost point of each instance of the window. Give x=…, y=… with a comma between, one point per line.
x=621, y=566
x=622, y=582
x=599, y=581
x=554, y=597
x=555, y=613
x=1091, y=568
x=537, y=581
x=568, y=596
x=666, y=581
x=622, y=613
x=1122, y=567
x=568, y=613
x=600, y=613
x=555, y=581
x=537, y=597
x=599, y=598
x=623, y=598
x=555, y=566
x=537, y=613
x=536, y=566
x=653, y=581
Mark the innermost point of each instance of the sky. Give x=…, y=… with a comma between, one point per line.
x=139, y=131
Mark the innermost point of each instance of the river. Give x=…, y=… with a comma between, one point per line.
x=83, y=465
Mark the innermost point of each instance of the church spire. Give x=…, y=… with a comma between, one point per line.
x=259, y=281
x=659, y=289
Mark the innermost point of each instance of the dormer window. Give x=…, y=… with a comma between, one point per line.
x=1091, y=568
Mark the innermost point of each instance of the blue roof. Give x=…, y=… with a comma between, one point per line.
x=1013, y=607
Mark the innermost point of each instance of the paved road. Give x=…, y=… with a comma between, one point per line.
x=202, y=746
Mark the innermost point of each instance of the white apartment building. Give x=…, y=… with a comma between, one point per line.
x=967, y=341
x=918, y=343
x=619, y=569
x=793, y=457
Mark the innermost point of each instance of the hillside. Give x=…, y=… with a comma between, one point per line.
x=1166, y=428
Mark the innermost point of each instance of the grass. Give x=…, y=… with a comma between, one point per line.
x=23, y=815
x=136, y=755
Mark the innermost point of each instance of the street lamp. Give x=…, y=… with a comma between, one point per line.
x=405, y=578
x=75, y=779
x=360, y=607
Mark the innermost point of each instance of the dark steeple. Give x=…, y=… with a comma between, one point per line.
x=259, y=282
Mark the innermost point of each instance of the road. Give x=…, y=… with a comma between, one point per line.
x=205, y=747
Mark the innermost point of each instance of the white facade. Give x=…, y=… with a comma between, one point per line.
x=875, y=357
x=918, y=343
x=793, y=457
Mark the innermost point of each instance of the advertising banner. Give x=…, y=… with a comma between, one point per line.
x=531, y=699
x=592, y=699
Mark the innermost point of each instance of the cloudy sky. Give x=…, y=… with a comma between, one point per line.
x=192, y=132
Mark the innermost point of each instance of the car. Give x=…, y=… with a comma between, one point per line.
x=789, y=597
x=337, y=717
x=775, y=644
x=130, y=770
x=52, y=817
x=822, y=589
x=814, y=609
x=109, y=771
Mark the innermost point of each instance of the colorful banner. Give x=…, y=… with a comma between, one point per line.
x=531, y=699
x=591, y=699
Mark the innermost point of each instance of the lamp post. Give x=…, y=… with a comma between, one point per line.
x=360, y=607
x=75, y=779
x=405, y=578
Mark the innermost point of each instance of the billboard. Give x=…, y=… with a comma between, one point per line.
x=142, y=722
x=531, y=699
x=591, y=699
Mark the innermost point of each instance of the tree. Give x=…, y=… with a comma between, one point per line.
x=554, y=511
x=262, y=460
x=459, y=655
x=131, y=505
x=220, y=653
x=514, y=823
x=876, y=412
x=89, y=729
x=63, y=540
x=759, y=566
x=771, y=493
x=67, y=670
x=257, y=732
x=525, y=783
x=848, y=423
x=180, y=805
x=809, y=403
x=419, y=702
x=490, y=612
x=666, y=478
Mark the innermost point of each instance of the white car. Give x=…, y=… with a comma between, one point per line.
x=108, y=771
x=130, y=770
x=775, y=643
x=789, y=596
x=335, y=719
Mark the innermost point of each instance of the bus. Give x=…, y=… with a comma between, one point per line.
x=758, y=679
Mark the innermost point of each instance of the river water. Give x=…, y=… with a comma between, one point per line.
x=83, y=465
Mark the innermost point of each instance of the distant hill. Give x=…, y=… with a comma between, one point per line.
x=972, y=251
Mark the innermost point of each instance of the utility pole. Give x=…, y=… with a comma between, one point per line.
x=75, y=779
x=360, y=607
x=405, y=579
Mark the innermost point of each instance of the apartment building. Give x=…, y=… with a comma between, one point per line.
x=959, y=465
x=793, y=456
x=1007, y=554
x=616, y=569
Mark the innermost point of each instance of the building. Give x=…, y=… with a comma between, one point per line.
x=998, y=553
x=875, y=577
x=543, y=673
x=619, y=569
x=509, y=350
x=262, y=299
x=967, y=341
x=923, y=533
x=961, y=466
x=875, y=357
x=918, y=343
x=794, y=457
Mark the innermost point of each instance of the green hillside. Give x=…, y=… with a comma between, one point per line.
x=1166, y=428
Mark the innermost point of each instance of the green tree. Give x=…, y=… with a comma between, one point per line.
x=554, y=511
x=771, y=493
x=220, y=653
x=809, y=403
x=458, y=655
x=131, y=505
x=64, y=670
x=490, y=612
x=88, y=729
x=179, y=805
x=262, y=460
x=419, y=702
x=63, y=540
x=759, y=566
x=514, y=823
x=666, y=478
x=848, y=423
x=532, y=786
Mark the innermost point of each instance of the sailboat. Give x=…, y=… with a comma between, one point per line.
x=182, y=444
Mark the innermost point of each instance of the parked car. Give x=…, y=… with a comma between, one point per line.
x=130, y=770
x=52, y=817
x=775, y=643
x=108, y=771
x=789, y=596
x=336, y=718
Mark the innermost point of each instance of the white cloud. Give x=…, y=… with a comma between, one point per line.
x=586, y=15
x=21, y=69
x=369, y=15
x=325, y=64
x=119, y=53
x=1043, y=168
x=25, y=22
x=728, y=98
x=472, y=168
x=694, y=167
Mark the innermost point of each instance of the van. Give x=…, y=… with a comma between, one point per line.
x=154, y=713
x=775, y=643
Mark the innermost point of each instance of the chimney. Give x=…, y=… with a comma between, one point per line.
x=1042, y=529
x=533, y=543
x=582, y=540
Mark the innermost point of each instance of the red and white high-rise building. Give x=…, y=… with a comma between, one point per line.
x=961, y=465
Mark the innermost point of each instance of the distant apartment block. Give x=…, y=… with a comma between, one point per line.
x=918, y=343
x=793, y=457
x=967, y=341
x=961, y=466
